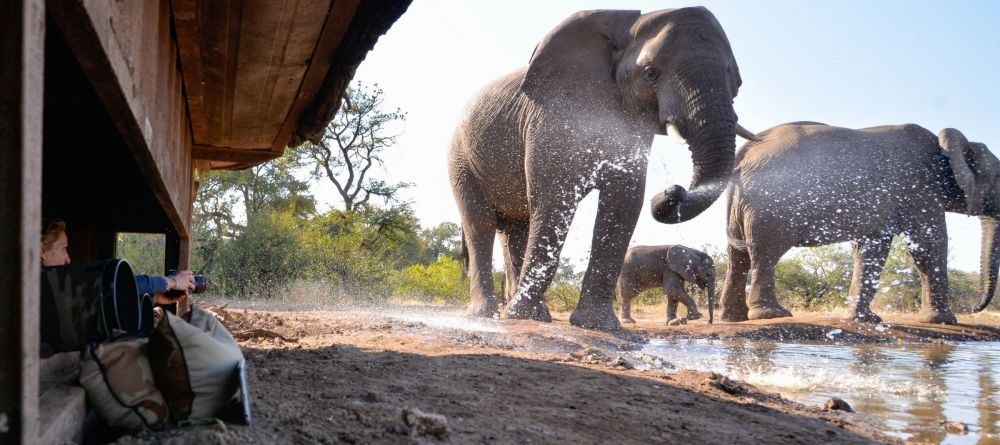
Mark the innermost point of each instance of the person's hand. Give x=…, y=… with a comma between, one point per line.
x=163, y=299
x=183, y=280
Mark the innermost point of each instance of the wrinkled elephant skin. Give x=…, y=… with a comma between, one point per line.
x=581, y=117
x=810, y=184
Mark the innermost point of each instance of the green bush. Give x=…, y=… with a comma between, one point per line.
x=814, y=278
x=564, y=291
x=143, y=251
x=341, y=252
x=438, y=282
x=263, y=259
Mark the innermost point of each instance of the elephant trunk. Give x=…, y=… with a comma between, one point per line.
x=989, y=260
x=710, y=291
x=710, y=129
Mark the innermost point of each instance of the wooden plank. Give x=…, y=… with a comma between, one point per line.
x=371, y=19
x=202, y=152
x=22, y=52
x=278, y=42
x=178, y=257
x=337, y=23
x=187, y=25
x=131, y=60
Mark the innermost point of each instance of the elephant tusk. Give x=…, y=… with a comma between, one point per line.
x=675, y=134
x=747, y=134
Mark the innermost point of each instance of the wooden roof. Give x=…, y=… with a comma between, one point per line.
x=262, y=75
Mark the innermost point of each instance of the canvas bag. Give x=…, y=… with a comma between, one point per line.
x=194, y=363
x=120, y=385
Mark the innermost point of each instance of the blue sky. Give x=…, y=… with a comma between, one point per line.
x=846, y=63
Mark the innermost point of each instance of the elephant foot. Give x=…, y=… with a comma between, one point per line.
x=733, y=316
x=593, y=318
x=945, y=316
x=766, y=312
x=484, y=308
x=677, y=321
x=628, y=320
x=693, y=315
x=865, y=316
x=523, y=309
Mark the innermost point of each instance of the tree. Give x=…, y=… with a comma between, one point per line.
x=260, y=190
x=143, y=251
x=444, y=239
x=564, y=291
x=353, y=143
x=814, y=277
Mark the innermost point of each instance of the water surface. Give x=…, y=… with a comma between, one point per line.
x=911, y=389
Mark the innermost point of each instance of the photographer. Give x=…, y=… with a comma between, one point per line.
x=53, y=253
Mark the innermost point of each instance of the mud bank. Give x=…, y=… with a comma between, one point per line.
x=830, y=328
x=406, y=377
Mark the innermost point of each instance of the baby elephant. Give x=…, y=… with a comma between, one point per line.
x=649, y=267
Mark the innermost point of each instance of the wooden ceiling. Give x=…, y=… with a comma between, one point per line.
x=254, y=70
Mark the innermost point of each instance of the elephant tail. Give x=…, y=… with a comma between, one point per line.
x=464, y=256
x=734, y=229
x=737, y=243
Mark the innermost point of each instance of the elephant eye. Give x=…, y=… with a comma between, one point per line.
x=651, y=74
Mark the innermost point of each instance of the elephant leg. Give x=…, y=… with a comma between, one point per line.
x=671, y=307
x=734, y=291
x=929, y=249
x=617, y=213
x=763, y=300
x=673, y=287
x=479, y=223
x=547, y=230
x=514, y=235
x=869, y=259
x=627, y=292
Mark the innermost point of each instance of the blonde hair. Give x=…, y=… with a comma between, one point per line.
x=51, y=231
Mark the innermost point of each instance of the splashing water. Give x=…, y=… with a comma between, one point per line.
x=458, y=322
x=911, y=389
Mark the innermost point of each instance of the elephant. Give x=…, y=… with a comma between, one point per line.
x=811, y=184
x=666, y=267
x=581, y=117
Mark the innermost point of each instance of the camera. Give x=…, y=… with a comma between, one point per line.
x=200, y=285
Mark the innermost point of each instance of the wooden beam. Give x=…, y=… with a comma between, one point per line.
x=232, y=154
x=22, y=52
x=130, y=58
x=178, y=257
x=337, y=23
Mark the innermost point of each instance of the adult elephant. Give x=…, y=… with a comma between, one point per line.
x=666, y=267
x=582, y=116
x=810, y=184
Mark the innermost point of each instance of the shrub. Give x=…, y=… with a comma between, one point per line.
x=263, y=259
x=438, y=282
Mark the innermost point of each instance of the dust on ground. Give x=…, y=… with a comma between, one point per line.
x=417, y=375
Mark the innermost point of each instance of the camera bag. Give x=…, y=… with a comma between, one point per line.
x=91, y=302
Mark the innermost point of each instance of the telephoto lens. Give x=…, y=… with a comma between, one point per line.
x=200, y=285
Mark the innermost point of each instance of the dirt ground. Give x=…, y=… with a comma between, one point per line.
x=409, y=375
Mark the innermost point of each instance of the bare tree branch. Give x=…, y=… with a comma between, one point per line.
x=359, y=135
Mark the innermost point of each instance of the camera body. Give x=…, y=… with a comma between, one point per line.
x=200, y=285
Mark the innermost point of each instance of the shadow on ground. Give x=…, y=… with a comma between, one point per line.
x=344, y=394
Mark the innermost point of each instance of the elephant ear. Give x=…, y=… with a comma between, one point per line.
x=954, y=143
x=680, y=260
x=583, y=48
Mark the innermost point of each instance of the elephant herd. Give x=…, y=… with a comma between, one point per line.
x=582, y=116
